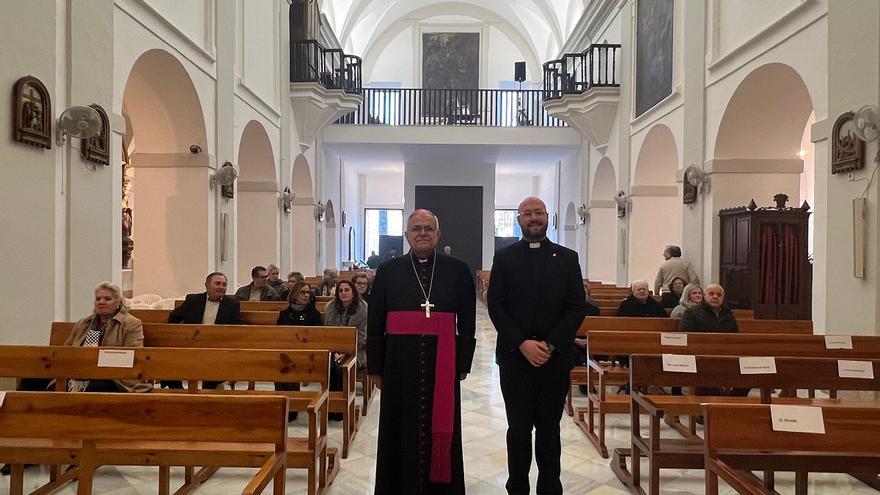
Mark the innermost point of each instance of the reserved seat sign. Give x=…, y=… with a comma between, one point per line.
x=797, y=419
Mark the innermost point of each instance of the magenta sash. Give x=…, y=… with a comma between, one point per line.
x=443, y=416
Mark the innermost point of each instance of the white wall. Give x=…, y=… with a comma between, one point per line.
x=457, y=174
x=511, y=188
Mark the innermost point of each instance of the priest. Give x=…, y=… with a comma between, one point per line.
x=420, y=344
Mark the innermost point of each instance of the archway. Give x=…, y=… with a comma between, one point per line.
x=303, y=240
x=759, y=150
x=655, y=218
x=257, y=215
x=169, y=194
x=602, y=225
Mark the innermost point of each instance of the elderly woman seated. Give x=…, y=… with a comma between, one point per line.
x=109, y=325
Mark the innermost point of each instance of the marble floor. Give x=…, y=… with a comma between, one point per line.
x=484, y=425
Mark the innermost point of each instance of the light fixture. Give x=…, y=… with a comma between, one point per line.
x=287, y=198
x=583, y=214
x=622, y=200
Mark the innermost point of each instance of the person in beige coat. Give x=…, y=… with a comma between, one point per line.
x=110, y=325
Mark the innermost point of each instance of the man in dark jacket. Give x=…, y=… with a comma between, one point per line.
x=711, y=315
x=536, y=302
x=211, y=307
x=640, y=303
x=259, y=288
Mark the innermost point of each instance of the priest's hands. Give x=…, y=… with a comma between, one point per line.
x=536, y=352
x=377, y=381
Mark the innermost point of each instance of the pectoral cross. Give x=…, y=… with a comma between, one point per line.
x=427, y=305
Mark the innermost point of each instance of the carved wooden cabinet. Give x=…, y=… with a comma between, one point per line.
x=764, y=260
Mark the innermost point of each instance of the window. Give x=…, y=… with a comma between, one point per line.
x=379, y=224
x=506, y=224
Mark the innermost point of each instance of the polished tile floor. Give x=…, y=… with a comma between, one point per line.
x=484, y=424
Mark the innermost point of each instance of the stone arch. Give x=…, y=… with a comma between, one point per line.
x=602, y=225
x=655, y=214
x=303, y=245
x=170, y=196
x=257, y=200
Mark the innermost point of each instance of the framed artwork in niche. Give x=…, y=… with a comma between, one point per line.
x=97, y=149
x=847, y=151
x=32, y=113
x=450, y=62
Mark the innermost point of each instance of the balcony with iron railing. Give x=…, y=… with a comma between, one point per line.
x=583, y=89
x=577, y=73
x=331, y=67
x=451, y=107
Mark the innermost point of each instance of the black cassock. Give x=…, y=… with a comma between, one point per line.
x=406, y=363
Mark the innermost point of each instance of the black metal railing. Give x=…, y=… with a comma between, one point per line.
x=576, y=73
x=311, y=62
x=476, y=107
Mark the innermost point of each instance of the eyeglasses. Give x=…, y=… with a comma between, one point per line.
x=262, y=276
x=532, y=213
x=305, y=291
x=415, y=229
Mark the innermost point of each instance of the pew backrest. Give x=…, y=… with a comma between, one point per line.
x=623, y=324
x=336, y=339
x=791, y=373
x=731, y=344
x=157, y=417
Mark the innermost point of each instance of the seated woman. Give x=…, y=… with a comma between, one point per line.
x=672, y=296
x=346, y=310
x=110, y=325
x=300, y=311
x=691, y=296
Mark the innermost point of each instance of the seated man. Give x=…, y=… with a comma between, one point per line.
x=327, y=287
x=278, y=285
x=711, y=315
x=640, y=303
x=211, y=307
x=258, y=289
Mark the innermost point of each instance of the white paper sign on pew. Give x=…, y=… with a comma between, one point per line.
x=838, y=342
x=2, y=398
x=757, y=365
x=115, y=358
x=674, y=339
x=855, y=369
x=797, y=419
x=679, y=363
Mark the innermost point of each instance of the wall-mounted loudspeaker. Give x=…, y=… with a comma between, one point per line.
x=519, y=71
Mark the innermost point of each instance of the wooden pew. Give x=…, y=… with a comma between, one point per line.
x=599, y=375
x=93, y=430
x=741, y=439
x=60, y=362
x=578, y=374
x=711, y=371
x=337, y=339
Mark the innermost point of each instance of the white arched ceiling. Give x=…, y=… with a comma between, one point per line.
x=543, y=23
x=382, y=37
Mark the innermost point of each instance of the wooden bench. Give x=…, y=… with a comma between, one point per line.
x=578, y=374
x=93, y=430
x=247, y=317
x=336, y=339
x=647, y=371
x=599, y=376
x=741, y=439
x=194, y=365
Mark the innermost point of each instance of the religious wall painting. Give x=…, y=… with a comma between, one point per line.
x=688, y=192
x=227, y=192
x=654, y=52
x=451, y=64
x=32, y=109
x=847, y=150
x=97, y=149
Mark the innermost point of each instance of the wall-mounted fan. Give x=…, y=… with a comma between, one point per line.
x=583, y=213
x=77, y=122
x=696, y=177
x=622, y=200
x=867, y=121
x=225, y=176
x=287, y=198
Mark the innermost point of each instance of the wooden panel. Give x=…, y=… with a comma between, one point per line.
x=160, y=417
x=628, y=324
x=728, y=241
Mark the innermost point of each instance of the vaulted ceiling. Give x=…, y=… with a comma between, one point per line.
x=541, y=25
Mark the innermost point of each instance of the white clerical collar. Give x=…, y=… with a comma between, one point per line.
x=534, y=245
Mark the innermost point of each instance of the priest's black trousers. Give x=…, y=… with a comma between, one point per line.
x=533, y=398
